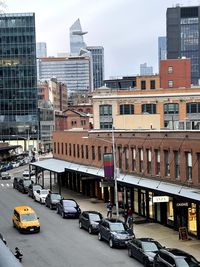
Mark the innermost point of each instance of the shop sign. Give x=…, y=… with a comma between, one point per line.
x=106, y=184
x=160, y=199
x=182, y=204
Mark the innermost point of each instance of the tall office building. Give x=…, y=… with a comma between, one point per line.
x=18, y=79
x=183, y=31
x=97, y=53
x=41, y=49
x=162, y=49
x=146, y=70
x=76, y=38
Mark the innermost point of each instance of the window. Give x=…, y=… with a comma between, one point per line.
x=133, y=159
x=105, y=125
x=126, y=109
x=171, y=108
x=198, y=162
x=126, y=150
x=74, y=150
x=188, y=156
x=149, y=108
x=99, y=153
x=62, y=148
x=70, y=149
x=157, y=159
x=176, y=164
x=170, y=84
x=170, y=69
x=93, y=152
x=193, y=107
x=66, y=149
x=78, y=151
x=82, y=151
x=141, y=159
x=58, y=145
x=152, y=84
x=148, y=161
x=105, y=110
x=87, y=152
x=143, y=85
x=166, y=162
x=120, y=156
x=54, y=147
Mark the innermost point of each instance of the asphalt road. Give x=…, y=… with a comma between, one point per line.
x=60, y=243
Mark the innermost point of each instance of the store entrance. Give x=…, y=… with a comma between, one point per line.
x=182, y=217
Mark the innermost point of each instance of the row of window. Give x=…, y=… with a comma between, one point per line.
x=169, y=108
x=135, y=159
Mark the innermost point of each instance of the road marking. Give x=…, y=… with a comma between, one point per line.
x=2, y=185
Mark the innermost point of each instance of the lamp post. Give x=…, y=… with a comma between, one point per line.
x=114, y=163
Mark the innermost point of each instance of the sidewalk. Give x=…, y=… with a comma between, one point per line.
x=166, y=236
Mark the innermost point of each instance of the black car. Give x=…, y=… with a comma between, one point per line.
x=32, y=188
x=23, y=185
x=52, y=199
x=144, y=250
x=68, y=208
x=115, y=232
x=15, y=182
x=174, y=257
x=90, y=221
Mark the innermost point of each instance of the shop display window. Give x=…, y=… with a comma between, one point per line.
x=192, y=219
x=170, y=212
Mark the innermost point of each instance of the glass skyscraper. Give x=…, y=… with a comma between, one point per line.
x=18, y=77
x=76, y=38
x=162, y=49
x=183, y=31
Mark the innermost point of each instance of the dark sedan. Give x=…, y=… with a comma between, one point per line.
x=23, y=185
x=144, y=250
x=52, y=199
x=68, y=208
x=90, y=221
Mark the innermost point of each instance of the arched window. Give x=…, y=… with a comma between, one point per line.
x=149, y=108
x=126, y=109
x=171, y=108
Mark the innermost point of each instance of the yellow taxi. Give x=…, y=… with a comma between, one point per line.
x=25, y=219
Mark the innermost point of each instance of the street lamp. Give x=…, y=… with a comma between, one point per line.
x=114, y=163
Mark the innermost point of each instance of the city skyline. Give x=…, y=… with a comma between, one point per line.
x=121, y=27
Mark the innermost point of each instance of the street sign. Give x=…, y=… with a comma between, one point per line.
x=159, y=199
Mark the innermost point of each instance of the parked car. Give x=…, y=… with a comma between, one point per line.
x=25, y=219
x=23, y=185
x=28, y=173
x=174, y=257
x=115, y=232
x=15, y=182
x=52, y=199
x=40, y=195
x=32, y=188
x=90, y=221
x=5, y=176
x=144, y=250
x=68, y=208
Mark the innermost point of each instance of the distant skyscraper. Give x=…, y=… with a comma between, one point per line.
x=41, y=49
x=76, y=38
x=145, y=70
x=18, y=77
x=97, y=53
x=183, y=31
x=162, y=49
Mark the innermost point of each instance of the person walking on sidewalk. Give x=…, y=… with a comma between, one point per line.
x=109, y=207
x=130, y=220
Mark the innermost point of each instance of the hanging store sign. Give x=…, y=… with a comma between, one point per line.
x=159, y=199
x=108, y=163
x=182, y=204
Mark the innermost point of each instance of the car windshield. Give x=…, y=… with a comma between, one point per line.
x=28, y=217
x=150, y=246
x=117, y=227
x=94, y=217
x=187, y=261
x=27, y=182
x=69, y=203
x=56, y=197
x=44, y=192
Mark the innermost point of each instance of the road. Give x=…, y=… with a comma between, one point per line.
x=60, y=243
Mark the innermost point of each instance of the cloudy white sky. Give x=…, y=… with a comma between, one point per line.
x=127, y=29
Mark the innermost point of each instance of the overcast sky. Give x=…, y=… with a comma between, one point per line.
x=127, y=29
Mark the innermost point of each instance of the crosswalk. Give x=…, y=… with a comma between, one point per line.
x=6, y=185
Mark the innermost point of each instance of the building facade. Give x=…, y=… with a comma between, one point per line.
x=97, y=53
x=41, y=49
x=18, y=77
x=183, y=30
x=76, y=38
x=146, y=70
x=121, y=83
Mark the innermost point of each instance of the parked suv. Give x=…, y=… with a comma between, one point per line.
x=52, y=199
x=15, y=182
x=90, y=221
x=115, y=232
x=68, y=208
x=171, y=257
x=23, y=185
x=33, y=188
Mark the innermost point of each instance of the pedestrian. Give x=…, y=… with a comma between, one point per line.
x=39, y=176
x=109, y=209
x=130, y=222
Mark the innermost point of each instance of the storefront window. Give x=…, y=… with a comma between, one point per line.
x=192, y=219
x=170, y=212
x=136, y=200
x=151, y=206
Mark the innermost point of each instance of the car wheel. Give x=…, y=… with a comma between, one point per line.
x=80, y=225
x=63, y=215
x=40, y=201
x=99, y=236
x=129, y=252
x=90, y=230
x=46, y=205
x=111, y=243
x=145, y=262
